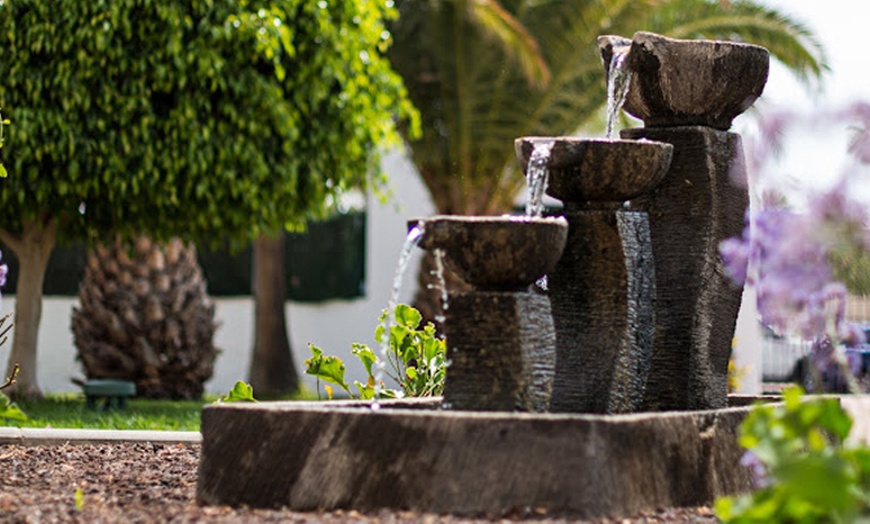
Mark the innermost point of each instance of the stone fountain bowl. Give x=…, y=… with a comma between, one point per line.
x=689, y=82
x=504, y=253
x=600, y=170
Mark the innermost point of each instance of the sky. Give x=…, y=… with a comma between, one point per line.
x=841, y=25
x=814, y=155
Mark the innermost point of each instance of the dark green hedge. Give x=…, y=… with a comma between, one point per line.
x=325, y=262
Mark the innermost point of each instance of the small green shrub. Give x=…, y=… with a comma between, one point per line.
x=9, y=410
x=241, y=392
x=416, y=358
x=805, y=472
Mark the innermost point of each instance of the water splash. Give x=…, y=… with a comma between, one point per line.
x=442, y=285
x=537, y=176
x=412, y=240
x=618, y=80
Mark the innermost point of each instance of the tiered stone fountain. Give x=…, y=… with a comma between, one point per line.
x=638, y=317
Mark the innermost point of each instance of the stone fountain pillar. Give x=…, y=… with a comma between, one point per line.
x=603, y=287
x=701, y=201
x=500, y=340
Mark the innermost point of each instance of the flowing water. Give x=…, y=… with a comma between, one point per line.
x=413, y=239
x=537, y=176
x=618, y=80
x=442, y=285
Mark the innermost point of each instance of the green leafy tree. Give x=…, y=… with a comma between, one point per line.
x=207, y=119
x=483, y=73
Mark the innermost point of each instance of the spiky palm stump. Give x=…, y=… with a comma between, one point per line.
x=145, y=316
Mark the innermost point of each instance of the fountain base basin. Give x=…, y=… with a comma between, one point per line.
x=412, y=455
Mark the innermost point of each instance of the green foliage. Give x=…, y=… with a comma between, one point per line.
x=10, y=411
x=3, y=122
x=69, y=411
x=79, y=499
x=416, y=358
x=199, y=118
x=475, y=98
x=811, y=475
x=241, y=392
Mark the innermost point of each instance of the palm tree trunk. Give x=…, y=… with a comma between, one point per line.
x=272, y=371
x=33, y=250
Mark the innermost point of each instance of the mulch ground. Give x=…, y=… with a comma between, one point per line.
x=116, y=483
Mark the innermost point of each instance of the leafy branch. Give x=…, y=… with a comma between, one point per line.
x=416, y=359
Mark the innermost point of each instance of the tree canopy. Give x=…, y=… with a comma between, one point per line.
x=198, y=118
x=195, y=117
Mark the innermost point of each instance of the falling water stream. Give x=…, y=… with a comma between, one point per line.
x=412, y=240
x=537, y=176
x=618, y=80
x=441, y=282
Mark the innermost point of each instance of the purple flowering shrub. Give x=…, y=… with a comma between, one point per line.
x=804, y=469
x=789, y=256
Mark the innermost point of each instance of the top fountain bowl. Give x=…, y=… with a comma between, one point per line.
x=689, y=82
x=496, y=253
x=599, y=170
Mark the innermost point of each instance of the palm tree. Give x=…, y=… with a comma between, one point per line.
x=483, y=73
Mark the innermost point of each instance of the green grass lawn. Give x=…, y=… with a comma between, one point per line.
x=69, y=411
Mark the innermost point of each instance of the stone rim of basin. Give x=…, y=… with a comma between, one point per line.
x=689, y=82
x=599, y=169
x=495, y=253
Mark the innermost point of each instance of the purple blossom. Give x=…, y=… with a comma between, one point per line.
x=852, y=335
x=794, y=282
x=4, y=270
x=760, y=475
x=785, y=254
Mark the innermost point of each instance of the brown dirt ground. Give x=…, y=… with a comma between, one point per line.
x=143, y=482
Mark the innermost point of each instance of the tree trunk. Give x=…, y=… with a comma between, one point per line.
x=33, y=250
x=272, y=370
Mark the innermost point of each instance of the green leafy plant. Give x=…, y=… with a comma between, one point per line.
x=3, y=122
x=416, y=359
x=9, y=410
x=241, y=392
x=804, y=469
x=79, y=499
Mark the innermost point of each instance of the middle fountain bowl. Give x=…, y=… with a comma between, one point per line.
x=599, y=170
x=496, y=253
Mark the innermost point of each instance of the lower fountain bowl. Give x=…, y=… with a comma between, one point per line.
x=496, y=253
x=599, y=170
x=409, y=454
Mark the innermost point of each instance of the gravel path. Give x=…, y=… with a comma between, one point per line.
x=143, y=482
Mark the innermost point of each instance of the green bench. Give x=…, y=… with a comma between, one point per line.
x=114, y=393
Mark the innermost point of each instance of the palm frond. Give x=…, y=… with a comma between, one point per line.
x=475, y=99
x=513, y=38
x=788, y=40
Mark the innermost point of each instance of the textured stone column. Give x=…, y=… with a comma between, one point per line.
x=694, y=208
x=602, y=291
x=501, y=349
